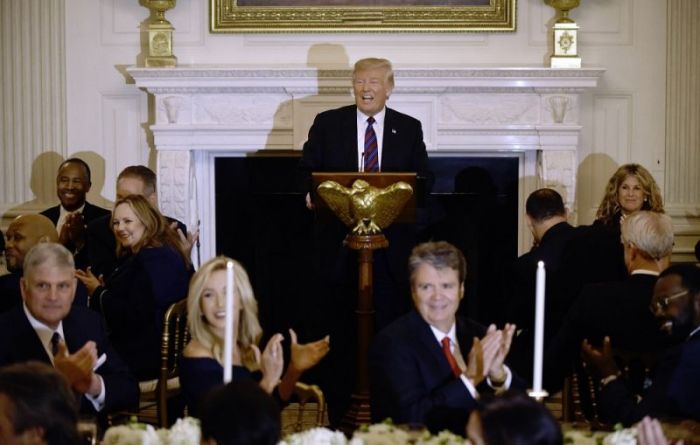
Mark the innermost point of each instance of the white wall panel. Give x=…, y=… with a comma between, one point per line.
x=602, y=22
x=123, y=139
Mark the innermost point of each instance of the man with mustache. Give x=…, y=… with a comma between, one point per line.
x=675, y=385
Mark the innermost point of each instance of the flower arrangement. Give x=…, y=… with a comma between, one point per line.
x=385, y=433
x=621, y=436
x=183, y=432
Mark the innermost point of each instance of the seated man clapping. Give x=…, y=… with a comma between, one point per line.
x=429, y=366
x=48, y=328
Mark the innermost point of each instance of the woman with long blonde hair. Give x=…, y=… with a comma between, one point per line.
x=630, y=189
x=201, y=367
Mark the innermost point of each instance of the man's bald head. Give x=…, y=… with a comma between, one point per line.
x=25, y=232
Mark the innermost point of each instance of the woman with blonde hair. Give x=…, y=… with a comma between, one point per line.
x=201, y=366
x=630, y=189
x=152, y=273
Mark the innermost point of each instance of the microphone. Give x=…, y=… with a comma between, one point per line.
x=362, y=162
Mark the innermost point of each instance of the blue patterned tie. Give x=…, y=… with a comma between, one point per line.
x=371, y=148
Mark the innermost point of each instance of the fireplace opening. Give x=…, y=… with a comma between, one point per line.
x=261, y=221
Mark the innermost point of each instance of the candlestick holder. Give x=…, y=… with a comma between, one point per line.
x=565, y=34
x=538, y=395
x=160, y=35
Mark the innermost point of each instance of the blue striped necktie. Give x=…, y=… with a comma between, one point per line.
x=371, y=148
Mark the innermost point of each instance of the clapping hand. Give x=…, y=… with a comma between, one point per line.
x=77, y=368
x=307, y=355
x=601, y=360
x=475, y=363
x=187, y=241
x=649, y=432
x=497, y=372
x=73, y=231
x=89, y=279
x=271, y=362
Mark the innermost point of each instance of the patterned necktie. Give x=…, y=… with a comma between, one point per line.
x=55, y=340
x=450, y=358
x=371, y=148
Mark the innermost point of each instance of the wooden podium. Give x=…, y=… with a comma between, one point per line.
x=360, y=410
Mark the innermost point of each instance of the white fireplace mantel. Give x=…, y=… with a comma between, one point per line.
x=203, y=112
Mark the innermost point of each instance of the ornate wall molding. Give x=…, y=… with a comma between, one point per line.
x=207, y=112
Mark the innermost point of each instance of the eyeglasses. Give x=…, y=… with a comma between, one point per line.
x=662, y=303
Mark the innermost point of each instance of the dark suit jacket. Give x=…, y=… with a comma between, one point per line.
x=552, y=250
x=617, y=309
x=10, y=294
x=332, y=145
x=20, y=344
x=519, y=290
x=90, y=213
x=674, y=392
x=411, y=380
x=134, y=301
x=102, y=246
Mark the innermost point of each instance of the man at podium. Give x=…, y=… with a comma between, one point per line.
x=365, y=137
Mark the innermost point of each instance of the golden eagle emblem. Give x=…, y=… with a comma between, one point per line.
x=366, y=208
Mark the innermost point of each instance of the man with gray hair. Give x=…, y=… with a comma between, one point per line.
x=620, y=309
x=47, y=327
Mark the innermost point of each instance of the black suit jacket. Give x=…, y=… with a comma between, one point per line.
x=20, y=343
x=90, y=213
x=411, y=380
x=332, y=145
x=552, y=249
x=102, y=246
x=617, y=309
x=674, y=392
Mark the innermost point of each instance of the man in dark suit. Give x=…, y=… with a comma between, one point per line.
x=365, y=137
x=429, y=366
x=72, y=215
x=618, y=309
x=25, y=232
x=546, y=219
x=48, y=328
x=133, y=180
x=675, y=386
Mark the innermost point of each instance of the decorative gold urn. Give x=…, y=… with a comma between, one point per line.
x=565, y=34
x=160, y=34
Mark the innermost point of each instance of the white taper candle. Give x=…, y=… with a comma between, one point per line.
x=228, y=331
x=539, y=329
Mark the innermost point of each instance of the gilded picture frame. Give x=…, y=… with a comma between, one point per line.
x=272, y=16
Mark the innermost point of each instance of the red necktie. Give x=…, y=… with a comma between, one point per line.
x=450, y=358
x=371, y=149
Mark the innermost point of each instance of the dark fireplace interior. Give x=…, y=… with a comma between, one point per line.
x=262, y=222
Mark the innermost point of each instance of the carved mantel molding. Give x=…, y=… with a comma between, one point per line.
x=207, y=111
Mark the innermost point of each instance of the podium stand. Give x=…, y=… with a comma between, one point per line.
x=359, y=411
